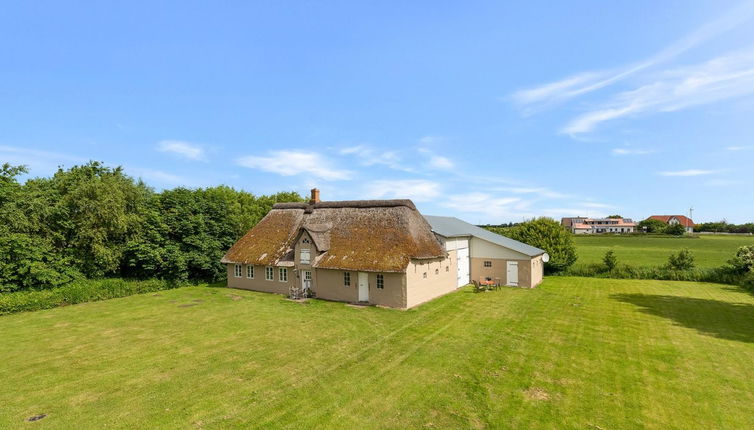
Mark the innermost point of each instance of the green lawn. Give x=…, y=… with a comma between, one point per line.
x=574, y=353
x=710, y=251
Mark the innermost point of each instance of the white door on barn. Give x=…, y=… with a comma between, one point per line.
x=512, y=274
x=363, y=287
x=462, y=255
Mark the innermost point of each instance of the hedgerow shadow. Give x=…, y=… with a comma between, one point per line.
x=726, y=320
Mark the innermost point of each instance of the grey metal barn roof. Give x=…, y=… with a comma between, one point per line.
x=449, y=226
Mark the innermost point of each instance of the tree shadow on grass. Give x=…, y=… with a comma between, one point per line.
x=726, y=320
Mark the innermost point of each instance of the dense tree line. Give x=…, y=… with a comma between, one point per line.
x=93, y=221
x=725, y=227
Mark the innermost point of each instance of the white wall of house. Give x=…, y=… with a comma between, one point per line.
x=481, y=248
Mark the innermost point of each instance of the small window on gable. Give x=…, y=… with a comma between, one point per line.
x=347, y=279
x=269, y=274
x=237, y=271
x=283, y=274
x=487, y=264
x=305, y=257
x=250, y=272
x=305, y=241
x=381, y=281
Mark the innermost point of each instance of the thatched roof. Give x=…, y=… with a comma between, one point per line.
x=365, y=235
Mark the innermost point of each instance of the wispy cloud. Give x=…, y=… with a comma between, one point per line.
x=39, y=161
x=292, y=162
x=418, y=190
x=632, y=151
x=487, y=207
x=738, y=148
x=192, y=151
x=533, y=99
x=368, y=155
x=689, y=172
x=159, y=176
x=539, y=191
x=725, y=77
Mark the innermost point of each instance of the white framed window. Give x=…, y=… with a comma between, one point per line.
x=250, y=272
x=487, y=264
x=424, y=275
x=347, y=279
x=237, y=271
x=305, y=257
x=269, y=274
x=381, y=281
x=307, y=275
x=283, y=274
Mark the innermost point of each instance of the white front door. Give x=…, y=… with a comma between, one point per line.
x=512, y=274
x=363, y=287
x=306, y=280
x=462, y=255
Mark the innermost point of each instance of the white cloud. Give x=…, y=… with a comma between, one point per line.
x=418, y=190
x=486, y=207
x=721, y=78
x=689, y=172
x=159, y=176
x=540, y=191
x=440, y=162
x=292, y=162
x=431, y=140
x=370, y=156
x=189, y=150
x=632, y=151
x=587, y=82
x=738, y=148
x=39, y=162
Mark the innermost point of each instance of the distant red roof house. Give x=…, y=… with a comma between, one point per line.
x=676, y=219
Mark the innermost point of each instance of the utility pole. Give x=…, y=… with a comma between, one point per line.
x=691, y=212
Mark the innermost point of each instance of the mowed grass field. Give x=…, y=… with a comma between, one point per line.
x=575, y=353
x=710, y=251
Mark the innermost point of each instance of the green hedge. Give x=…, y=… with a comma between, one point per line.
x=720, y=275
x=79, y=292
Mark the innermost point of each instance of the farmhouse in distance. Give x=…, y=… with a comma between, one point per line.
x=584, y=225
x=380, y=252
x=685, y=221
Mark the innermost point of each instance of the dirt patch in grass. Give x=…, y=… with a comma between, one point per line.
x=187, y=305
x=197, y=300
x=535, y=393
x=234, y=297
x=36, y=417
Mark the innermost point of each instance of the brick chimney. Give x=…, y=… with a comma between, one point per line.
x=315, y=196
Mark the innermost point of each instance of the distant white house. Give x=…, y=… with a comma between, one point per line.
x=685, y=221
x=584, y=225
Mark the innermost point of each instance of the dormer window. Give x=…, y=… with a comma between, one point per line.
x=305, y=256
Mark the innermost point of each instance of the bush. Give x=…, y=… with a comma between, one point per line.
x=683, y=260
x=744, y=259
x=652, y=226
x=675, y=230
x=78, y=292
x=549, y=235
x=610, y=260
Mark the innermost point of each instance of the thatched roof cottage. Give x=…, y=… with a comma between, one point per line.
x=380, y=252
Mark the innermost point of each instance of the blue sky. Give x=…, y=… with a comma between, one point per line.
x=490, y=111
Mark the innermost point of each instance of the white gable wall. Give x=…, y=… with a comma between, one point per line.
x=481, y=248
